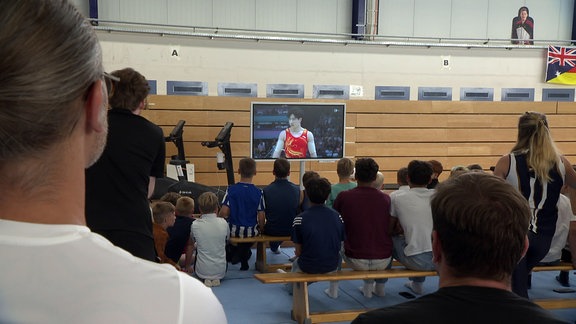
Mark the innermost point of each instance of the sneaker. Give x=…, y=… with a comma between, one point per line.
x=208, y=283
x=215, y=282
x=416, y=287
x=235, y=259
x=244, y=266
x=563, y=281
x=277, y=251
x=280, y=270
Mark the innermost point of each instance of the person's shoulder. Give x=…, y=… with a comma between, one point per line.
x=350, y=185
x=421, y=192
x=298, y=218
x=199, y=305
x=414, y=311
x=183, y=221
x=563, y=199
x=143, y=124
x=322, y=209
x=399, y=195
x=269, y=187
x=381, y=194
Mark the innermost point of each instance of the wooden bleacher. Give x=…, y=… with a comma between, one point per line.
x=392, y=132
x=262, y=242
x=301, y=306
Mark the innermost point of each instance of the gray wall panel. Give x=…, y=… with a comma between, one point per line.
x=235, y=14
x=565, y=19
x=500, y=15
x=149, y=11
x=396, y=18
x=276, y=15
x=317, y=16
x=109, y=10
x=190, y=13
x=432, y=18
x=461, y=27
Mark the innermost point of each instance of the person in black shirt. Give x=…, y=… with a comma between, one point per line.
x=119, y=185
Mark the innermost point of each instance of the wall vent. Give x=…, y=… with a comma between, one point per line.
x=558, y=95
x=476, y=94
x=187, y=88
x=331, y=92
x=238, y=89
x=153, y=87
x=434, y=93
x=517, y=94
x=285, y=91
x=391, y=93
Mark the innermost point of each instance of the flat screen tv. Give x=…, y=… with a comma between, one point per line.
x=287, y=129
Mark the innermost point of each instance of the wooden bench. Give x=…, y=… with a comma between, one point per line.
x=261, y=244
x=301, y=307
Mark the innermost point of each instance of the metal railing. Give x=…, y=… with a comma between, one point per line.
x=308, y=37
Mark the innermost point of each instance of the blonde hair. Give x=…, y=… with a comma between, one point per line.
x=184, y=206
x=345, y=168
x=535, y=140
x=208, y=202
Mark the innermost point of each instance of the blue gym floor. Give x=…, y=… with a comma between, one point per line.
x=248, y=301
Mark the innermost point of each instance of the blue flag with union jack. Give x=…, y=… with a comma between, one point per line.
x=561, y=67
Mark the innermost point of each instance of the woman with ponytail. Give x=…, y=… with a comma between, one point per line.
x=537, y=169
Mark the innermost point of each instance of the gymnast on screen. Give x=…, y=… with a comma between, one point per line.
x=295, y=140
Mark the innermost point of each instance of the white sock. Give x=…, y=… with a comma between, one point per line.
x=367, y=289
x=379, y=290
x=333, y=290
x=416, y=287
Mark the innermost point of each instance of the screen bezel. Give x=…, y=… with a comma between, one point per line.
x=305, y=106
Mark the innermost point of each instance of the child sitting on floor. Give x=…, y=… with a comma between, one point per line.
x=164, y=217
x=179, y=241
x=210, y=233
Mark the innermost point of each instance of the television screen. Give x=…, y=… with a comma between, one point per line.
x=297, y=131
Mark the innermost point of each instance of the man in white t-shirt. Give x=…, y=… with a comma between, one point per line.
x=411, y=209
x=53, y=102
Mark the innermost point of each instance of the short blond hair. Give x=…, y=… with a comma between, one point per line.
x=208, y=202
x=184, y=206
x=345, y=168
